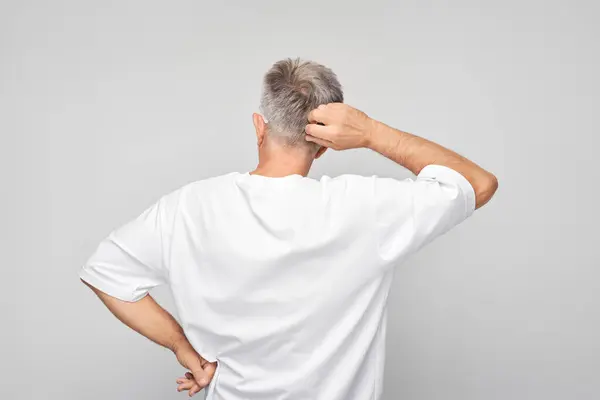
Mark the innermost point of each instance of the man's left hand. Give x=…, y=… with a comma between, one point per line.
x=200, y=372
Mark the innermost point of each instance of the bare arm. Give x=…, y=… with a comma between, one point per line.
x=346, y=127
x=148, y=318
x=415, y=153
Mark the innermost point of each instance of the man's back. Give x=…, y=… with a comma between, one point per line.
x=283, y=281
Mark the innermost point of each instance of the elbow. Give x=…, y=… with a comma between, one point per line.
x=485, y=190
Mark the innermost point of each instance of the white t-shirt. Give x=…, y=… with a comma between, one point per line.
x=284, y=281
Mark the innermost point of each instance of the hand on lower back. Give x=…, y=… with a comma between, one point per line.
x=343, y=127
x=201, y=371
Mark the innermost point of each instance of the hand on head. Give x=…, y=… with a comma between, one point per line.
x=338, y=126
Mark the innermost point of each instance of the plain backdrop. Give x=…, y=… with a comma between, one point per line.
x=107, y=105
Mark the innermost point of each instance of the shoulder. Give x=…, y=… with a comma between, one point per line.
x=203, y=185
x=370, y=189
x=348, y=188
x=366, y=183
x=347, y=179
x=194, y=190
x=205, y=191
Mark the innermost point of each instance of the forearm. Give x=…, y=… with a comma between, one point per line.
x=415, y=153
x=146, y=317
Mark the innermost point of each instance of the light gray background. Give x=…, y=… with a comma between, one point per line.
x=105, y=106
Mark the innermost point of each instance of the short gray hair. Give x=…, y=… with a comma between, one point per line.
x=291, y=89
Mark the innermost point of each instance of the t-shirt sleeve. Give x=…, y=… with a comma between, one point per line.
x=411, y=213
x=133, y=258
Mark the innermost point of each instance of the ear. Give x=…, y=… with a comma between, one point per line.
x=261, y=128
x=320, y=152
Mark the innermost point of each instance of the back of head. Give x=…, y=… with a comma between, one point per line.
x=291, y=89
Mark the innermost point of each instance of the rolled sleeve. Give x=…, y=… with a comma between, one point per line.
x=125, y=264
x=133, y=258
x=411, y=213
x=107, y=285
x=444, y=174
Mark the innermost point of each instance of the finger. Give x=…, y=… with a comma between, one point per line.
x=186, y=386
x=320, y=131
x=189, y=375
x=319, y=114
x=209, y=368
x=195, y=389
x=182, y=380
x=195, y=365
x=319, y=141
x=201, y=377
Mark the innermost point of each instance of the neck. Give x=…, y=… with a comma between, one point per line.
x=279, y=164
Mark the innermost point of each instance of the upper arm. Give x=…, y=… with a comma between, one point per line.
x=412, y=212
x=133, y=258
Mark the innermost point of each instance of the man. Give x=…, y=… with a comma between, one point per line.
x=281, y=281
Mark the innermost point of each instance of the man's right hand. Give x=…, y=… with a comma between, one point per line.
x=343, y=127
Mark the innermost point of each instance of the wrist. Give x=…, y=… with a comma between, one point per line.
x=367, y=132
x=372, y=133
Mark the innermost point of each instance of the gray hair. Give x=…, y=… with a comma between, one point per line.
x=291, y=89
